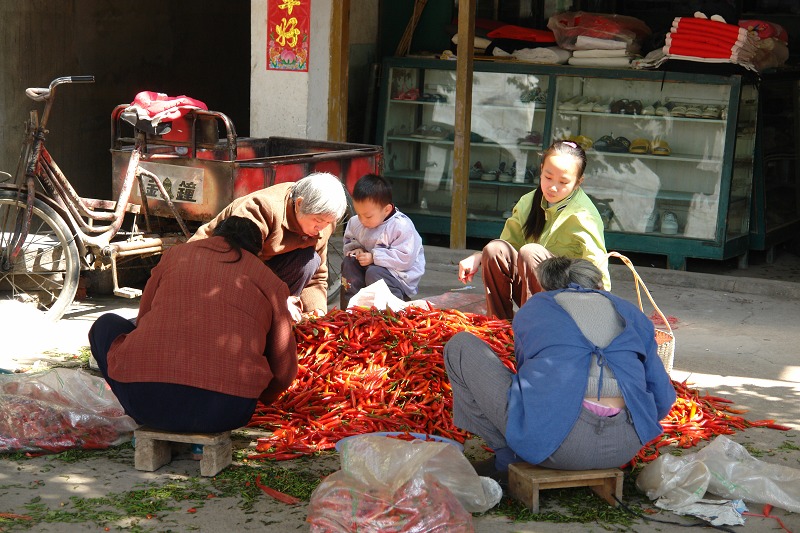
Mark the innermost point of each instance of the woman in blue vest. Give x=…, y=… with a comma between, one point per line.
x=589, y=390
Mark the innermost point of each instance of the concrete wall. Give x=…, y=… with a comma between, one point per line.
x=195, y=47
x=295, y=104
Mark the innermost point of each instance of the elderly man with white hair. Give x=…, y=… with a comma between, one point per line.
x=296, y=220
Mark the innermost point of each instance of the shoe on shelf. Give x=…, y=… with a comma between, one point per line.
x=571, y=104
x=476, y=171
x=651, y=223
x=587, y=105
x=603, y=105
x=669, y=223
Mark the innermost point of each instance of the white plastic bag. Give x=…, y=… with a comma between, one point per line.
x=379, y=296
x=674, y=481
x=725, y=469
x=388, y=484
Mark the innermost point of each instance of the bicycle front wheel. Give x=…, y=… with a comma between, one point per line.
x=47, y=269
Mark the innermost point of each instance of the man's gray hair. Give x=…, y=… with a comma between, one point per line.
x=322, y=193
x=558, y=272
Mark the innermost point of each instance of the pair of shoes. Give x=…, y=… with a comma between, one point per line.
x=607, y=143
x=669, y=223
x=582, y=140
x=433, y=97
x=476, y=171
x=640, y=146
x=602, y=106
x=660, y=147
x=711, y=112
x=411, y=94
x=693, y=111
x=676, y=109
x=486, y=468
x=572, y=104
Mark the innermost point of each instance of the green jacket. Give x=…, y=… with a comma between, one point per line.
x=572, y=228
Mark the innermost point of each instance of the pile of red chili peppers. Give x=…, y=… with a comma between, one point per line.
x=365, y=370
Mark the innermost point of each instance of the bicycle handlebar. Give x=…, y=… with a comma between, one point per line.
x=40, y=94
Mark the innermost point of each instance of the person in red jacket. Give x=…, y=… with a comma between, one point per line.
x=212, y=337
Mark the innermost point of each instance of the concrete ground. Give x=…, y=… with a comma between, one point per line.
x=735, y=337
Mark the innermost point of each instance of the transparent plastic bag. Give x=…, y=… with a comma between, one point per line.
x=388, y=484
x=727, y=470
x=674, y=481
x=60, y=409
x=568, y=26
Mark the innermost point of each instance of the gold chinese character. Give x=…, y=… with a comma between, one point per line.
x=287, y=32
x=288, y=5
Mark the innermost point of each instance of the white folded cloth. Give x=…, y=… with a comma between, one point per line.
x=553, y=55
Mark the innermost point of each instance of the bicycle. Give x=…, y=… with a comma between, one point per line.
x=49, y=233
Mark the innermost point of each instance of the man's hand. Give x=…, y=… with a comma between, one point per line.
x=468, y=267
x=295, y=308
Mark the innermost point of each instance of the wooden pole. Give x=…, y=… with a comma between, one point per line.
x=463, y=123
x=337, y=86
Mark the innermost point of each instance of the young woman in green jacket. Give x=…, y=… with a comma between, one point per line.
x=556, y=219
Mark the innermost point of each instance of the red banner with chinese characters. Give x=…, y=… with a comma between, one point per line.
x=288, y=23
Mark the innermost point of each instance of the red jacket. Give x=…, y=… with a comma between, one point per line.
x=210, y=323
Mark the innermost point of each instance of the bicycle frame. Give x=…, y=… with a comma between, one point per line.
x=89, y=224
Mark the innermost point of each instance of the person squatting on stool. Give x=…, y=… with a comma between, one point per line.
x=589, y=390
x=296, y=221
x=212, y=337
x=556, y=219
x=380, y=242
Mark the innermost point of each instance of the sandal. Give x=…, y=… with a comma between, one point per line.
x=582, y=140
x=711, y=111
x=603, y=144
x=621, y=145
x=634, y=108
x=693, y=111
x=619, y=106
x=660, y=147
x=640, y=146
x=676, y=110
x=661, y=110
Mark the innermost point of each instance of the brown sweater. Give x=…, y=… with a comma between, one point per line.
x=273, y=211
x=211, y=323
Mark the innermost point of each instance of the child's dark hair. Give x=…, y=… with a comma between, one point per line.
x=241, y=234
x=535, y=222
x=374, y=188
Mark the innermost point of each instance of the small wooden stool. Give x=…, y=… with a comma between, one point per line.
x=526, y=480
x=153, y=449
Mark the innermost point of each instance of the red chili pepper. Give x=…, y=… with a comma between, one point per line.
x=278, y=495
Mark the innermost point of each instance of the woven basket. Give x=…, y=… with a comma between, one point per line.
x=665, y=339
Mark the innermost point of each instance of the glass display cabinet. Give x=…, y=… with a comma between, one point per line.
x=670, y=154
x=508, y=128
x=660, y=168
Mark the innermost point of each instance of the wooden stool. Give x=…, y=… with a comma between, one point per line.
x=153, y=449
x=525, y=481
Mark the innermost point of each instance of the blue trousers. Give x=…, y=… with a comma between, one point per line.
x=167, y=406
x=295, y=268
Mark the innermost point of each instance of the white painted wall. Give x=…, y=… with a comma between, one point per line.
x=290, y=104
